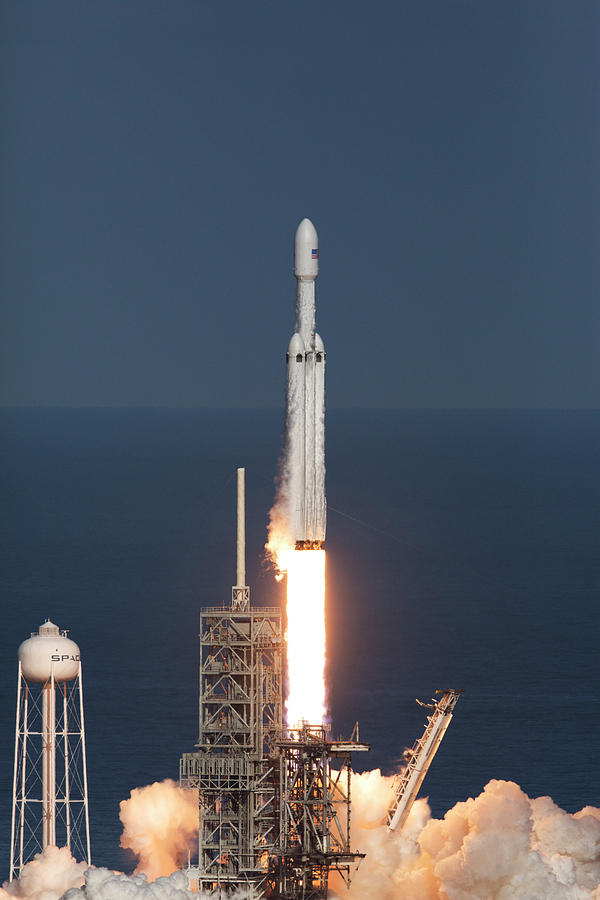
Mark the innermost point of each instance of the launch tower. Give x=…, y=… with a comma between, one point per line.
x=314, y=808
x=274, y=802
x=240, y=722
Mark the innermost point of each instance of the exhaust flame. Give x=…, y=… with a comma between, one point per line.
x=305, y=636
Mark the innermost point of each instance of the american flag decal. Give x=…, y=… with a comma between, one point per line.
x=315, y=254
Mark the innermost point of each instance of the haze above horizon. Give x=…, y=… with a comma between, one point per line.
x=157, y=159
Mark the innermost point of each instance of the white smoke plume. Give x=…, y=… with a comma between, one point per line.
x=160, y=825
x=102, y=884
x=279, y=530
x=280, y=538
x=47, y=877
x=502, y=845
x=54, y=875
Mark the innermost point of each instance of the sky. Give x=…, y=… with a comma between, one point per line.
x=156, y=158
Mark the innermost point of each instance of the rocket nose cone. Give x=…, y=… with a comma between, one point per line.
x=306, y=231
x=306, y=250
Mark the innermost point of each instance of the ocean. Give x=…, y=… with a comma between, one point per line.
x=463, y=551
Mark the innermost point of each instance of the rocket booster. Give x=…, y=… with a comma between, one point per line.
x=305, y=402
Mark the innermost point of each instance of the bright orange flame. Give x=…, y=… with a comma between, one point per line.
x=305, y=635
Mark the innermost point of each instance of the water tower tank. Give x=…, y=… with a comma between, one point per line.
x=49, y=652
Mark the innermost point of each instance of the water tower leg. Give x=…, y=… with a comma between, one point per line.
x=49, y=763
x=14, y=796
x=67, y=773
x=84, y=762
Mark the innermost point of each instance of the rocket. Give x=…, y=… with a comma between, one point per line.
x=305, y=402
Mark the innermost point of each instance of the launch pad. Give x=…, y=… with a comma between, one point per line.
x=314, y=812
x=274, y=813
x=274, y=802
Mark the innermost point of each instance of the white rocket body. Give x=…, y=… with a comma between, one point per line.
x=305, y=406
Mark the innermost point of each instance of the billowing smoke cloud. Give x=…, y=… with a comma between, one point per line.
x=54, y=875
x=47, y=877
x=280, y=532
x=102, y=884
x=160, y=825
x=280, y=539
x=502, y=845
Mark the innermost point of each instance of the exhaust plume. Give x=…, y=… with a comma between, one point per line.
x=501, y=845
x=47, y=877
x=305, y=608
x=102, y=884
x=160, y=825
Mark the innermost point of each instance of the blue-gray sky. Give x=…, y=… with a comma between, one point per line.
x=156, y=158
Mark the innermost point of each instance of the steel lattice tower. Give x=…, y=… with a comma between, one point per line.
x=314, y=802
x=274, y=802
x=234, y=767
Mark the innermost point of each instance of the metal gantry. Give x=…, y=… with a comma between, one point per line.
x=273, y=803
x=314, y=813
x=234, y=766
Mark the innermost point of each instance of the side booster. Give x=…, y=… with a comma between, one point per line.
x=305, y=402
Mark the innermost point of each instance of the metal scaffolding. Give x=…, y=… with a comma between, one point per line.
x=314, y=813
x=274, y=803
x=233, y=768
x=240, y=721
x=420, y=756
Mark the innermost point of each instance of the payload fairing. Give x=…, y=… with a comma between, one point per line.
x=305, y=402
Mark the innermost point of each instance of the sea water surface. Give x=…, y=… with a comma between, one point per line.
x=463, y=551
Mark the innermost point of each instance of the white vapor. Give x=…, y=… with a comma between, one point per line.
x=502, y=845
x=160, y=825
x=281, y=538
x=46, y=877
x=54, y=875
x=102, y=884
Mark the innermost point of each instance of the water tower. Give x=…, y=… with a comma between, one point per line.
x=50, y=796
